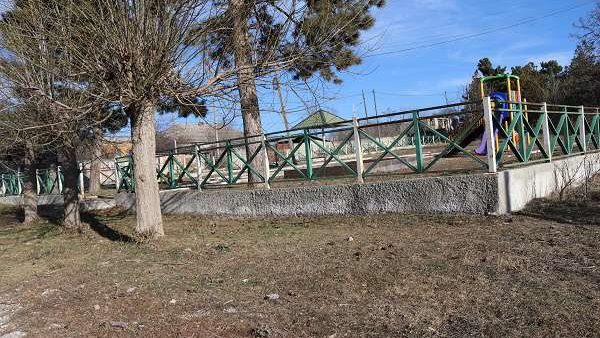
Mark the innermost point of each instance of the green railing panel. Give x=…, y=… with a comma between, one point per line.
x=334, y=155
x=453, y=145
x=286, y=160
x=387, y=150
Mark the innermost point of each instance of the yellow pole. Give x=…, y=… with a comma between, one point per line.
x=510, y=104
x=481, y=88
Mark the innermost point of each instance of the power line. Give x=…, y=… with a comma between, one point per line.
x=486, y=32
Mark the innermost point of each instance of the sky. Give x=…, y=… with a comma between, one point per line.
x=416, y=74
x=422, y=53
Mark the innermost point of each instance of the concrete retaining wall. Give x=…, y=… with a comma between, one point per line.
x=450, y=194
x=518, y=186
x=508, y=191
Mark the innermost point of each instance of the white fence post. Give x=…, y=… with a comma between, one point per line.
x=60, y=185
x=582, y=135
x=19, y=187
x=267, y=168
x=81, y=181
x=491, y=135
x=37, y=182
x=198, y=168
x=3, y=188
x=358, y=152
x=546, y=130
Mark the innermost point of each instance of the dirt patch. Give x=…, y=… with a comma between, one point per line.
x=376, y=276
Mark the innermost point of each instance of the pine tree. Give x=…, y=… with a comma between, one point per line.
x=304, y=38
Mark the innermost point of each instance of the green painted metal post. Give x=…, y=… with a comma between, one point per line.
x=229, y=162
x=171, y=170
x=308, y=155
x=418, y=143
x=198, y=168
x=117, y=181
x=567, y=132
x=267, y=168
x=521, y=132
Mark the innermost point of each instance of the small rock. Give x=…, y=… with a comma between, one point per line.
x=245, y=280
x=292, y=294
x=330, y=243
x=118, y=324
x=188, y=250
x=172, y=301
x=130, y=290
x=272, y=296
x=350, y=239
x=57, y=326
x=230, y=310
x=48, y=292
x=97, y=307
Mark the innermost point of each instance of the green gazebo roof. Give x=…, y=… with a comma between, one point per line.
x=318, y=119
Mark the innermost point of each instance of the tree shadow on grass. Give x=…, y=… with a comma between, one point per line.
x=581, y=212
x=101, y=228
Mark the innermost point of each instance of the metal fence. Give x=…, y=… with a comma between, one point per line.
x=510, y=133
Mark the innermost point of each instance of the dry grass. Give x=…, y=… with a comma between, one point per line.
x=401, y=276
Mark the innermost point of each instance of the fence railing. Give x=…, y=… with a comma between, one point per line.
x=439, y=140
x=404, y=142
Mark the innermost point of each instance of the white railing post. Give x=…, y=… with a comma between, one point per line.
x=60, y=183
x=582, y=136
x=37, y=181
x=360, y=169
x=3, y=188
x=198, y=168
x=81, y=181
x=491, y=135
x=19, y=187
x=267, y=168
x=546, y=131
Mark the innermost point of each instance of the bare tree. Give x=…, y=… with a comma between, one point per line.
x=125, y=55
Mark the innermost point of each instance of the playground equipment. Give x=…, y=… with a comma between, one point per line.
x=503, y=103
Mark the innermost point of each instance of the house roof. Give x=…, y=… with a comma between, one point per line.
x=318, y=119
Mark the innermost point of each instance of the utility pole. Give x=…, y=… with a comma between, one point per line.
x=365, y=104
x=377, y=116
x=277, y=85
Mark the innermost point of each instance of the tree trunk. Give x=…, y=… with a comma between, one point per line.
x=246, y=85
x=70, y=169
x=30, y=198
x=95, y=166
x=147, y=202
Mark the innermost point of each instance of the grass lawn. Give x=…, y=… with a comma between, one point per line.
x=535, y=274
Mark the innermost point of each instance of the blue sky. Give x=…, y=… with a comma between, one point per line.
x=420, y=77
x=425, y=76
